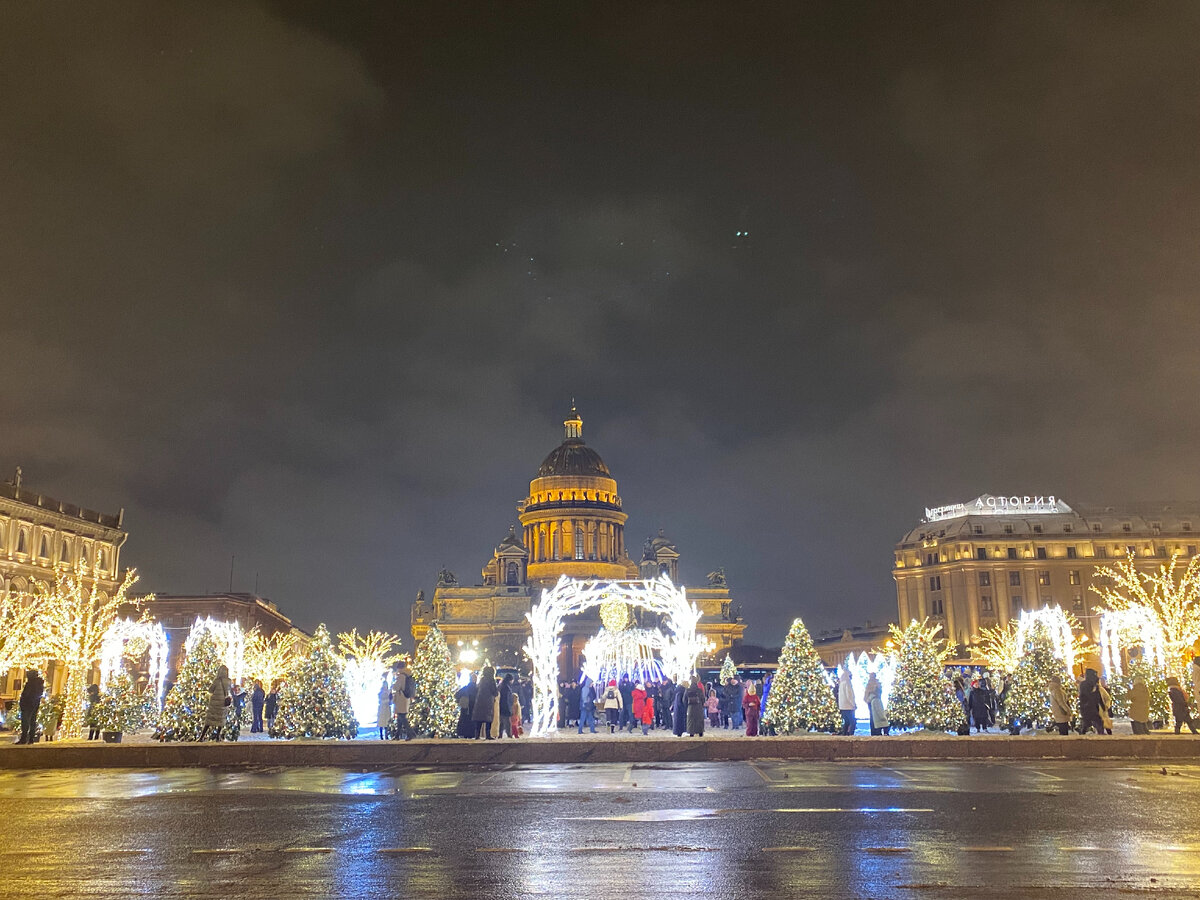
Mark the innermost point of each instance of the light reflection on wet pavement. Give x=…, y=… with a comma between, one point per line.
x=763, y=829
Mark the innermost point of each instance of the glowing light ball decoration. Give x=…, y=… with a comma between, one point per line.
x=571, y=597
x=230, y=643
x=127, y=639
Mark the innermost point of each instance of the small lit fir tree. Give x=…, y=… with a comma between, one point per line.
x=922, y=696
x=186, y=704
x=315, y=702
x=728, y=670
x=121, y=706
x=800, y=695
x=1027, y=703
x=434, y=711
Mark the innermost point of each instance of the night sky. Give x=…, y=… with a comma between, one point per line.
x=314, y=284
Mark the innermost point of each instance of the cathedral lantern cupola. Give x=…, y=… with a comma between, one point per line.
x=572, y=520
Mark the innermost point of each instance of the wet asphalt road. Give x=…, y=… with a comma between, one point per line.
x=768, y=829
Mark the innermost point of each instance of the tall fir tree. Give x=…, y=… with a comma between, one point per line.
x=729, y=671
x=315, y=702
x=922, y=696
x=1027, y=703
x=434, y=711
x=186, y=704
x=800, y=695
x=121, y=706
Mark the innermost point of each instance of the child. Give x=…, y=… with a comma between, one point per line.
x=647, y=713
x=714, y=708
x=516, y=715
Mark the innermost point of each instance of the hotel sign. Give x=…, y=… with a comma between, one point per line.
x=989, y=505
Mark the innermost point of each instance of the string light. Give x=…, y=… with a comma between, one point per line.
x=367, y=659
x=230, y=643
x=800, y=696
x=269, y=659
x=127, y=639
x=629, y=654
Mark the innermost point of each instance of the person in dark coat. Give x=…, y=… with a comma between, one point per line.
x=258, y=698
x=271, y=706
x=587, y=704
x=1089, y=703
x=31, y=699
x=679, y=710
x=506, y=696
x=484, y=710
x=574, y=692
x=465, y=696
x=662, y=704
x=625, y=714
x=695, y=698
x=220, y=698
x=1179, y=706
x=93, y=710
x=980, y=706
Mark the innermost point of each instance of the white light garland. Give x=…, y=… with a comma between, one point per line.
x=570, y=597
x=1057, y=624
x=1130, y=627
x=882, y=665
x=613, y=655
x=126, y=638
x=230, y=641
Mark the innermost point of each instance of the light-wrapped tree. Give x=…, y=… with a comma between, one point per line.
x=186, y=704
x=800, y=696
x=121, y=707
x=922, y=696
x=73, y=615
x=728, y=670
x=1027, y=704
x=269, y=659
x=1156, y=683
x=434, y=711
x=315, y=701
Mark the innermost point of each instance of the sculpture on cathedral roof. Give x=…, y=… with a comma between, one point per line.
x=717, y=578
x=446, y=578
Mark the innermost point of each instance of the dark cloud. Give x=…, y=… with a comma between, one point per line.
x=313, y=284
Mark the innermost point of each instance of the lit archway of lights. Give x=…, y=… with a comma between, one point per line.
x=1057, y=624
x=127, y=639
x=230, y=641
x=570, y=597
x=861, y=667
x=613, y=655
x=1134, y=627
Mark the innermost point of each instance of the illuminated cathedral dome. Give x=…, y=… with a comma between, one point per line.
x=573, y=456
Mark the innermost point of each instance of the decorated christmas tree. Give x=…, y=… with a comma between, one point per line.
x=800, y=695
x=1156, y=681
x=434, y=711
x=121, y=706
x=728, y=670
x=315, y=701
x=1027, y=704
x=186, y=704
x=922, y=696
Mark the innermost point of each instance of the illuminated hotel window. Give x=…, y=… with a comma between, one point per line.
x=578, y=544
x=1014, y=579
x=985, y=602
x=985, y=579
x=1073, y=577
x=1071, y=553
x=1077, y=603
x=1044, y=577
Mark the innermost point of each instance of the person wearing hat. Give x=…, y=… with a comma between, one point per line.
x=638, y=699
x=1060, y=705
x=1179, y=705
x=612, y=706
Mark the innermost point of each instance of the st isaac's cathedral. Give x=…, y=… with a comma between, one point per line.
x=573, y=524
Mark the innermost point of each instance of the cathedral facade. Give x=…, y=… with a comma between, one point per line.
x=571, y=523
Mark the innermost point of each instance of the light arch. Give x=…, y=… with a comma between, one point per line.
x=572, y=596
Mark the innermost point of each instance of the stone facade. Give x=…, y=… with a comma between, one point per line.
x=571, y=523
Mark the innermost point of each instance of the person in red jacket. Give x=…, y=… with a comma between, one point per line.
x=647, y=715
x=639, y=698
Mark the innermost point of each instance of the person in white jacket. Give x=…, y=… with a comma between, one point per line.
x=847, y=702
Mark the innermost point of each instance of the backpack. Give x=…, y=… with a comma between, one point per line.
x=410, y=689
x=610, y=695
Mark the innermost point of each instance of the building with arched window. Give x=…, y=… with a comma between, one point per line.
x=572, y=522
